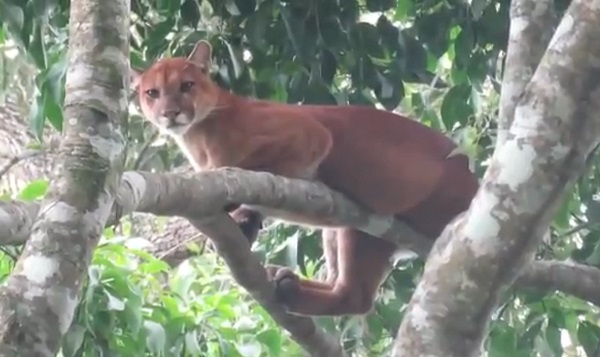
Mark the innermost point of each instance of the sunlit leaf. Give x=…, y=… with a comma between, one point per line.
x=34, y=190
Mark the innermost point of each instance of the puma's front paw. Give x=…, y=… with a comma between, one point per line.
x=250, y=223
x=287, y=283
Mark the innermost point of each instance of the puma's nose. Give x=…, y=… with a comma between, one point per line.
x=171, y=114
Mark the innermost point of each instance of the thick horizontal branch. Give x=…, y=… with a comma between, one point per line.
x=202, y=195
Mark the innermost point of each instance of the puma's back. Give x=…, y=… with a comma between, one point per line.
x=394, y=165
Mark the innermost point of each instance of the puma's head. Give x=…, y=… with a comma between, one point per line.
x=175, y=93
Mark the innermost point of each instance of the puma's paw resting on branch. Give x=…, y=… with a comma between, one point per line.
x=317, y=298
x=249, y=222
x=287, y=283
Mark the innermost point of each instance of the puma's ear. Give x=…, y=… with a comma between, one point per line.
x=134, y=78
x=201, y=55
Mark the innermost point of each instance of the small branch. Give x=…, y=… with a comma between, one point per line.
x=12, y=161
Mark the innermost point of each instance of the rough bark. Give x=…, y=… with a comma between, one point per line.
x=531, y=23
x=16, y=219
x=480, y=253
x=569, y=277
x=38, y=300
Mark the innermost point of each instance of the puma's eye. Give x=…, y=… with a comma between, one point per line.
x=186, y=86
x=152, y=93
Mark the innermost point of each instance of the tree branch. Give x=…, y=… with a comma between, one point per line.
x=578, y=280
x=38, y=300
x=531, y=23
x=250, y=273
x=480, y=253
x=15, y=159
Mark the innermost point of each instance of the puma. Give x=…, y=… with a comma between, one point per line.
x=388, y=163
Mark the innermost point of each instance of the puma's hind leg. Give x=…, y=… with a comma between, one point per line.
x=280, y=273
x=362, y=262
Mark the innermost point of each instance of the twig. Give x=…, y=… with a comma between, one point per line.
x=18, y=158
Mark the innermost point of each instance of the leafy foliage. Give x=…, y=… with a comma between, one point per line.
x=439, y=62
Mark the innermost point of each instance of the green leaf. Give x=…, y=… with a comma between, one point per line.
x=332, y=33
x=455, y=107
x=52, y=109
x=34, y=190
x=114, y=303
x=416, y=56
x=249, y=349
x=13, y=15
x=463, y=45
x=389, y=93
x=190, y=13
x=492, y=27
x=358, y=98
x=73, y=340
x=588, y=336
x=37, y=117
x=246, y=7
x=156, y=337
x=232, y=7
x=552, y=336
x=36, y=48
x=477, y=69
x=389, y=33
x=404, y=8
x=477, y=7
x=502, y=341
x=236, y=56
x=364, y=74
x=257, y=25
x=380, y=5
x=41, y=8
x=328, y=66
x=365, y=40
x=297, y=34
x=271, y=338
x=433, y=31
x=156, y=34
x=191, y=343
x=183, y=280
x=349, y=13
x=133, y=312
x=297, y=87
x=563, y=215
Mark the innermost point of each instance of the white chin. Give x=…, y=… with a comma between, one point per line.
x=177, y=130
